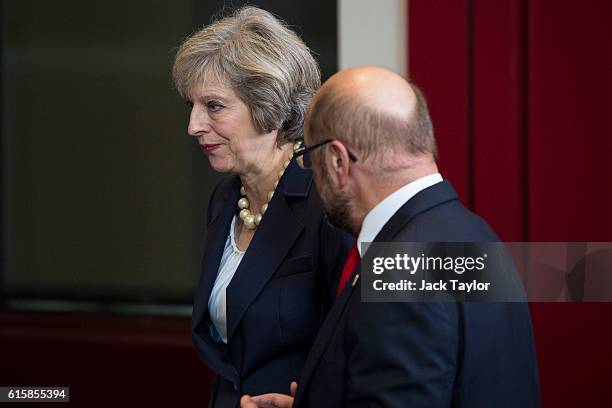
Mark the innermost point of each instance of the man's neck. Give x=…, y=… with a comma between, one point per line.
x=375, y=188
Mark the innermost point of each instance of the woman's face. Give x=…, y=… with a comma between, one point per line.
x=225, y=131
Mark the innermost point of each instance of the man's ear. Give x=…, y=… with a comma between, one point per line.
x=337, y=162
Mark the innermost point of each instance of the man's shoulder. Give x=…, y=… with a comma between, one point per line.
x=447, y=222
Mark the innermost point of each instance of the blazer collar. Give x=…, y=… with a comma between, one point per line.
x=423, y=201
x=296, y=181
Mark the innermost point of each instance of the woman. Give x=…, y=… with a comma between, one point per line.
x=271, y=261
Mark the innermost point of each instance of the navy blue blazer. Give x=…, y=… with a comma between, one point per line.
x=279, y=295
x=453, y=354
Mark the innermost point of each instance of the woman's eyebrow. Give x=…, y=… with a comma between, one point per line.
x=213, y=95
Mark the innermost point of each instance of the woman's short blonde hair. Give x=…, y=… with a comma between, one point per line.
x=265, y=63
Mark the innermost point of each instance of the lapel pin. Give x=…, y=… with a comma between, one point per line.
x=355, y=279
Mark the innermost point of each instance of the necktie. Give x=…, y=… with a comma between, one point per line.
x=349, y=266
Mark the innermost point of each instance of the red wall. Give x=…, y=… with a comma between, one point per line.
x=519, y=92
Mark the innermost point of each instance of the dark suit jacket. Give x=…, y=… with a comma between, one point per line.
x=437, y=354
x=280, y=292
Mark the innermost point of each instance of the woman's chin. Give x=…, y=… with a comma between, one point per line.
x=220, y=166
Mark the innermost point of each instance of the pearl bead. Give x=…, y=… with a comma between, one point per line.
x=249, y=222
x=297, y=146
x=243, y=203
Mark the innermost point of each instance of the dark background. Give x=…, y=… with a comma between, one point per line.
x=104, y=195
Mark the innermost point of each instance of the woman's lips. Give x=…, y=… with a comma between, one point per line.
x=209, y=148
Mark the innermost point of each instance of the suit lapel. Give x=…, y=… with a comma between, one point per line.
x=217, y=232
x=269, y=247
x=423, y=201
x=430, y=197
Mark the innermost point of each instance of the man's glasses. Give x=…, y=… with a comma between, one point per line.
x=302, y=155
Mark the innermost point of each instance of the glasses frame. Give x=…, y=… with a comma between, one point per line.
x=307, y=149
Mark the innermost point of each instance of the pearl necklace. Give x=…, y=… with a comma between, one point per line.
x=250, y=220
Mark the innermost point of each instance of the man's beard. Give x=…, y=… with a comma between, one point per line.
x=336, y=204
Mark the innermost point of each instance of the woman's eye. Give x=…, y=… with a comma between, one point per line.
x=214, y=106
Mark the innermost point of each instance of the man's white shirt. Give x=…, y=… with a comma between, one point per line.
x=376, y=219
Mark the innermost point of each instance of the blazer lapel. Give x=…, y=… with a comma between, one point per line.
x=217, y=232
x=273, y=240
x=421, y=202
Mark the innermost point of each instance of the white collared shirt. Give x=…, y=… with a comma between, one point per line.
x=217, y=303
x=378, y=216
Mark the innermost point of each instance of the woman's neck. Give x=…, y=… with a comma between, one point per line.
x=259, y=182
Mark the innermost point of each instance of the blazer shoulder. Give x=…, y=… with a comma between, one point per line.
x=448, y=222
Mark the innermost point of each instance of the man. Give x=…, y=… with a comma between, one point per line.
x=376, y=172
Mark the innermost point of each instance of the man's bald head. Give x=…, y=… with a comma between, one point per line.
x=373, y=110
x=375, y=87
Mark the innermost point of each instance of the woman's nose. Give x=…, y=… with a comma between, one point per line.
x=199, y=122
